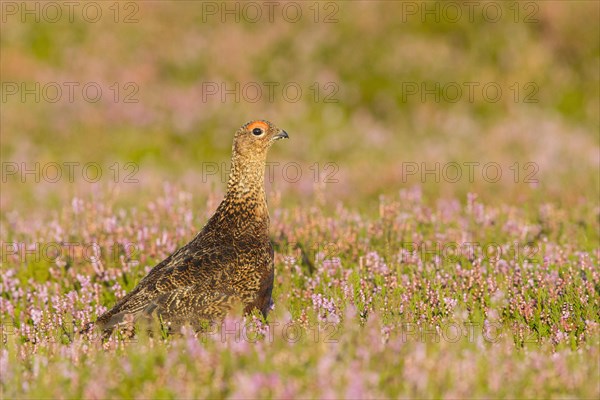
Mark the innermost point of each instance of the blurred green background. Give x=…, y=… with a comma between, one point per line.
x=356, y=118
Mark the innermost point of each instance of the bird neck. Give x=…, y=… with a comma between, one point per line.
x=247, y=178
x=246, y=190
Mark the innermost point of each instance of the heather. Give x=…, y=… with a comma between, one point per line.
x=455, y=299
x=396, y=276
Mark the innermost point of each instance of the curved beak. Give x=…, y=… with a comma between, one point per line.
x=281, y=135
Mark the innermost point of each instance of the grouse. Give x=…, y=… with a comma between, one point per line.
x=229, y=261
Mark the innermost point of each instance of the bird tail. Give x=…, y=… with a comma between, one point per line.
x=97, y=327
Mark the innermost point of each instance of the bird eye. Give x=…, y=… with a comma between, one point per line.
x=257, y=131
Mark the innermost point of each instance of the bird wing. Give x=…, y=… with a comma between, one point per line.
x=185, y=281
x=191, y=304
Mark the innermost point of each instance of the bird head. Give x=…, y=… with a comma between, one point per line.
x=254, y=139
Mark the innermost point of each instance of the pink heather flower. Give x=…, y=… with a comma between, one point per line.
x=559, y=336
x=60, y=262
x=261, y=328
x=6, y=307
x=412, y=196
x=77, y=205
x=385, y=333
x=450, y=304
x=254, y=386
x=325, y=309
x=376, y=264
x=36, y=316
x=356, y=388
x=110, y=224
x=4, y=367
x=100, y=309
x=117, y=290
x=42, y=292
x=331, y=266
x=347, y=291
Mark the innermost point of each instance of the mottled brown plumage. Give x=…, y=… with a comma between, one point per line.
x=230, y=260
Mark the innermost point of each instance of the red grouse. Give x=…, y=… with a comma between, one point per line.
x=230, y=260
